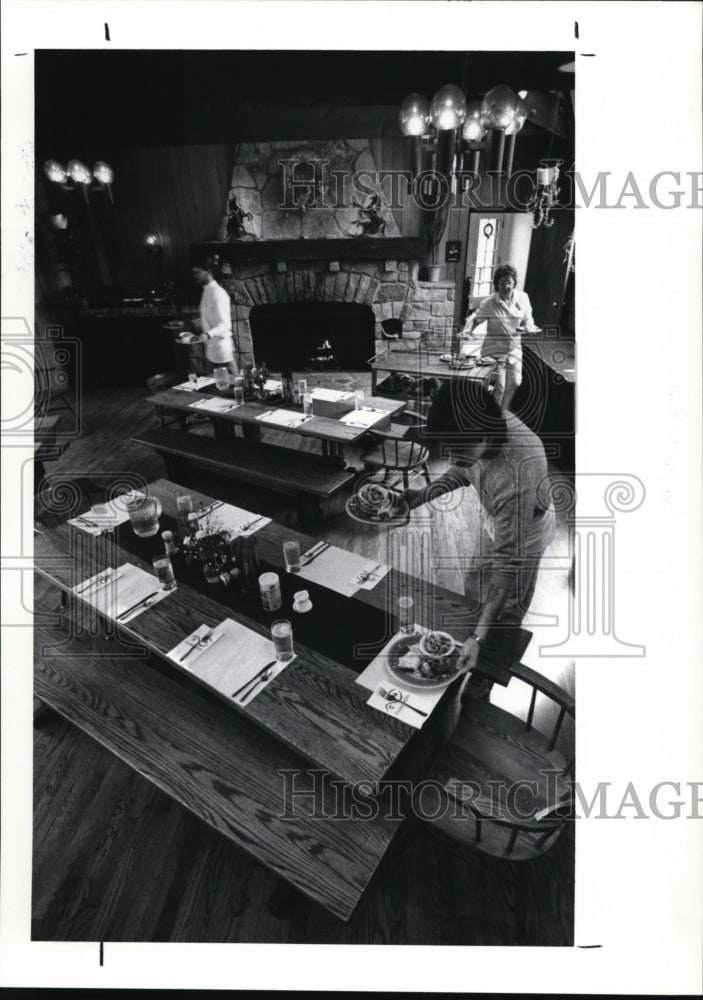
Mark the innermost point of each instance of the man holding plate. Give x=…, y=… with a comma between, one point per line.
x=505, y=462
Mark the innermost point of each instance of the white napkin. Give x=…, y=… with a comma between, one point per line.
x=283, y=418
x=364, y=417
x=114, y=591
x=104, y=516
x=231, y=660
x=335, y=569
x=230, y=518
x=375, y=574
x=215, y=405
x=202, y=382
x=377, y=675
x=272, y=385
x=187, y=651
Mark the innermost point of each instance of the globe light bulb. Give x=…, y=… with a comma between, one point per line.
x=413, y=114
x=79, y=172
x=55, y=171
x=498, y=107
x=152, y=240
x=103, y=172
x=519, y=119
x=448, y=107
x=472, y=129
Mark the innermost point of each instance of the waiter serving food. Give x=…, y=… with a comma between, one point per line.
x=215, y=319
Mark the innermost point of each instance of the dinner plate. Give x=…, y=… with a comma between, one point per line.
x=400, y=514
x=399, y=648
x=446, y=358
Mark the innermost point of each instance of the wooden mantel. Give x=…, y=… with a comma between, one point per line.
x=369, y=248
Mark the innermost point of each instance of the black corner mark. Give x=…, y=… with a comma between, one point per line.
x=107, y=32
x=576, y=29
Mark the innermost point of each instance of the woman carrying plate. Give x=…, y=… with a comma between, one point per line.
x=507, y=313
x=505, y=463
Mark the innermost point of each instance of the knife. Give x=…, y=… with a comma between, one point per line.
x=125, y=614
x=254, y=678
x=314, y=553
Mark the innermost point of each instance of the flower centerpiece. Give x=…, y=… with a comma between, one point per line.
x=207, y=543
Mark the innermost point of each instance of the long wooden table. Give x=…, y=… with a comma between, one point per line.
x=423, y=364
x=312, y=718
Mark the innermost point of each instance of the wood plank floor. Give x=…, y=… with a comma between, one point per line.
x=115, y=859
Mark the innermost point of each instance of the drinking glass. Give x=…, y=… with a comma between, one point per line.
x=239, y=390
x=358, y=399
x=184, y=506
x=405, y=614
x=291, y=554
x=307, y=404
x=302, y=389
x=221, y=376
x=164, y=571
x=282, y=635
x=144, y=516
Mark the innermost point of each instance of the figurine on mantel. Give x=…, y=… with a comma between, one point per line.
x=236, y=218
x=370, y=221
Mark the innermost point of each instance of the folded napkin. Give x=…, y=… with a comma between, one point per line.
x=377, y=677
x=215, y=405
x=232, y=658
x=336, y=569
x=233, y=519
x=272, y=385
x=364, y=417
x=113, y=592
x=371, y=574
x=202, y=382
x=283, y=418
x=104, y=516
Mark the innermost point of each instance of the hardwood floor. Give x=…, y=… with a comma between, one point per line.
x=116, y=860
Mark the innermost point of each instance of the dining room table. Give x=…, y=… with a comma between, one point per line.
x=327, y=709
x=272, y=413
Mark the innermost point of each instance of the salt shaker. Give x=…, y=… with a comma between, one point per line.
x=301, y=601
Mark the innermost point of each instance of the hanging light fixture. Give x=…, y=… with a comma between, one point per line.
x=414, y=114
x=55, y=171
x=546, y=194
x=448, y=108
x=78, y=175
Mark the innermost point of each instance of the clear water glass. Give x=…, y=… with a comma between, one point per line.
x=291, y=554
x=221, y=376
x=144, y=517
x=358, y=399
x=302, y=389
x=282, y=635
x=307, y=404
x=405, y=614
x=164, y=571
x=239, y=390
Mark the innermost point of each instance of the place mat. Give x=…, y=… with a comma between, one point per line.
x=283, y=418
x=113, y=592
x=215, y=405
x=377, y=677
x=232, y=658
x=364, y=417
x=335, y=569
x=104, y=516
x=227, y=517
x=370, y=576
x=201, y=383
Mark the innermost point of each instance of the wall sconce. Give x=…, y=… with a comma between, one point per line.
x=78, y=175
x=153, y=245
x=546, y=194
x=59, y=221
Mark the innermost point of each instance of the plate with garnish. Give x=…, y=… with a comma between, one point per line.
x=408, y=664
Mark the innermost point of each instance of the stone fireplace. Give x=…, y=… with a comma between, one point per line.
x=296, y=233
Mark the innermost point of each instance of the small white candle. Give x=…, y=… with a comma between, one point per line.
x=543, y=176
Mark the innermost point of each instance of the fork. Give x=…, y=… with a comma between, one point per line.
x=250, y=524
x=200, y=640
x=396, y=696
x=366, y=574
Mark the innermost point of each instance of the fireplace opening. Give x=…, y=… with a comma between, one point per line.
x=313, y=336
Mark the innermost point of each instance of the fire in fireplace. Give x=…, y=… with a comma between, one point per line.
x=313, y=336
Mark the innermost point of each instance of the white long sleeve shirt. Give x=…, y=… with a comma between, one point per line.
x=216, y=320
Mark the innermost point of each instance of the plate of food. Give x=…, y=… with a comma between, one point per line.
x=445, y=358
x=407, y=663
x=373, y=503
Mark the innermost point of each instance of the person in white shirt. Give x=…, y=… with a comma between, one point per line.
x=215, y=319
x=507, y=313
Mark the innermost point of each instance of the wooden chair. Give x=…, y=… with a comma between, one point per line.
x=503, y=785
x=492, y=749
x=399, y=449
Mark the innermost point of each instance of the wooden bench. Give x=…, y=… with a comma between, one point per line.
x=307, y=478
x=216, y=764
